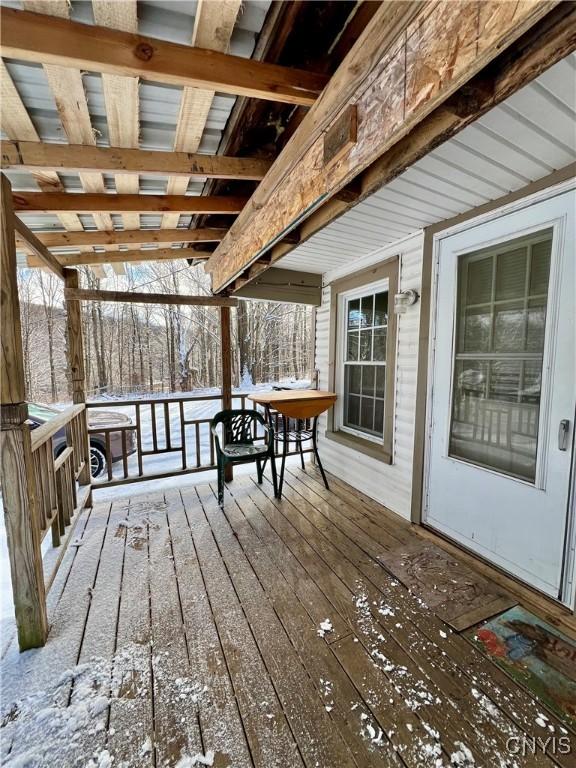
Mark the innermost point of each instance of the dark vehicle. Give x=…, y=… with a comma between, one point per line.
x=40, y=414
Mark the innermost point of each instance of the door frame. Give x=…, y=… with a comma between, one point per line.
x=568, y=579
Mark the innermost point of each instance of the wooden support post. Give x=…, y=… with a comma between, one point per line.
x=75, y=355
x=226, y=353
x=19, y=497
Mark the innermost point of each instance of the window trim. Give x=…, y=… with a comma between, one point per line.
x=343, y=298
x=380, y=449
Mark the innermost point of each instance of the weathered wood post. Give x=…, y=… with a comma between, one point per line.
x=18, y=489
x=75, y=355
x=226, y=353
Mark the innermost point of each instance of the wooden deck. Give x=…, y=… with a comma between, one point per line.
x=180, y=630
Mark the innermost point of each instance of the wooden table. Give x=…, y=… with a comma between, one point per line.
x=299, y=404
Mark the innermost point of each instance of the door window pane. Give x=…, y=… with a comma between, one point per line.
x=499, y=354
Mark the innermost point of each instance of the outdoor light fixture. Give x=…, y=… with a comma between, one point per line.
x=405, y=299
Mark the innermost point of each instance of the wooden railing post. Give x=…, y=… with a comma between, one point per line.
x=22, y=533
x=75, y=352
x=226, y=353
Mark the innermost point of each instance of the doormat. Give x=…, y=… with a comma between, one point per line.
x=535, y=654
x=456, y=594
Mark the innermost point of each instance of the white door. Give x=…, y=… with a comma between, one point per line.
x=503, y=391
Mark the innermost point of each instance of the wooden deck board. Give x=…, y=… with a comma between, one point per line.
x=384, y=636
x=180, y=629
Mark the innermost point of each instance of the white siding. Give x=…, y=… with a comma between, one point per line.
x=391, y=485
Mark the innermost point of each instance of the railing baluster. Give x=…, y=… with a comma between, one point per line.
x=197, y=435
x=182, y=433
x=167, y=425
x=124, y=454
x=154, y=430
x=139, y=440
x=108, y=455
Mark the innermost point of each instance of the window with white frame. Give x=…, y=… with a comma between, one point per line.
x=362, y=345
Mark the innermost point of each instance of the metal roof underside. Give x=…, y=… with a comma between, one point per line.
x=527, y=137
x=159, y=104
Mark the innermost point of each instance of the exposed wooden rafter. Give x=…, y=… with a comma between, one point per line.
x=54, y=41
x=213, y=26
x=387, y=75
x=68, y=91
x=122, y=257
x=56, y=202
x=129, y=237
x=16, y=124
x=43, y=255
x=121, y=96
x=37, y=157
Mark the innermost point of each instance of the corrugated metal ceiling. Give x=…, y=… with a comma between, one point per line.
x=159, y=104
x=527, y=137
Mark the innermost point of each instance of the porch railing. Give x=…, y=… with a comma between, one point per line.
x=61, y=483
x=160, y=427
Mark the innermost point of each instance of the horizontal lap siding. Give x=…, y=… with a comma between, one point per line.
x=391, y=485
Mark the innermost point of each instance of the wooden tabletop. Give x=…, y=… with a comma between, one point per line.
x=296, y=403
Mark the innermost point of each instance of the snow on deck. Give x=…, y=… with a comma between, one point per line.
x=262, y=634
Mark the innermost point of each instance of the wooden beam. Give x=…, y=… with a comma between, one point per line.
x=131, y=297
x=121, y=97
x=35, y=156
x=213, y=26
x=67, y=88
x=16, y=124
x=121, y=257
x=114, y=238
x=226, y=365
x=18, y=486
x=48, y=40
x=107, y=203
x=548, y=43
x=76, y=369
x=43, y=254
x=388, y=76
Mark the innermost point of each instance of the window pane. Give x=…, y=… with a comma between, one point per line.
x=368, y=380
x=496, y=400
x=352, y=417
x=353, y=378
x=511, y=274
x=367, y=414
x=536, y=325
x=354, y=313
x=380, y=343
x=540, y=267
x=499, y=431
x=367, y=311
x=365, y=345
x=352, y=349
x=477, y=328
x=479, y=282
x=379, y=416
x=380, y=380
x=381, y=309
x=509, y=327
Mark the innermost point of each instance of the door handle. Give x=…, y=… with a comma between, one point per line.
x=563, y=432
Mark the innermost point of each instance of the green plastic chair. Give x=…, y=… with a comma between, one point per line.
x=237, y=444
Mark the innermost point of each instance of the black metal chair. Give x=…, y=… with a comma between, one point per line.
x=241, y=444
